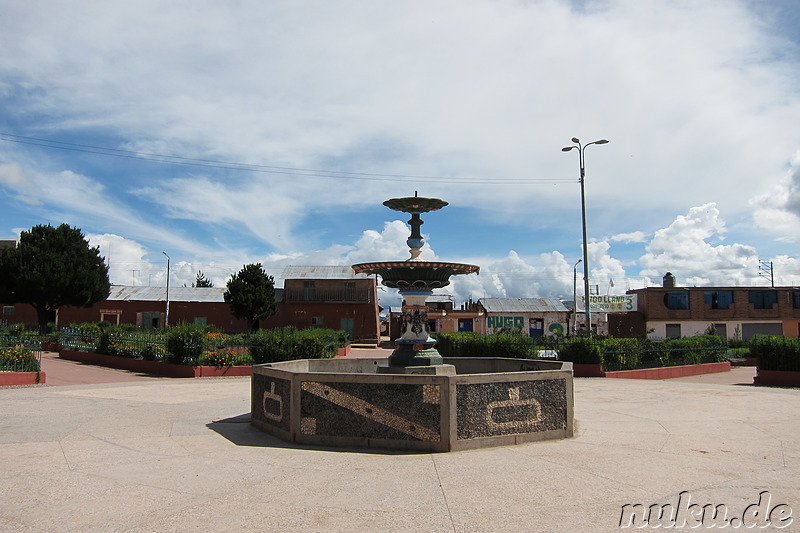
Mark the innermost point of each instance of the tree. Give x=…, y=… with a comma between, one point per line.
x=202, y=281
x=251, y=295
x=53, y=267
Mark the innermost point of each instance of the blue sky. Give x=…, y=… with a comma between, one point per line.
x=272, y=131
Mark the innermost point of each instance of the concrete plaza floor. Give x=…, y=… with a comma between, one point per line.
x=158, y=454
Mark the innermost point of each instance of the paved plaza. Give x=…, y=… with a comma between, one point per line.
x=144, y=454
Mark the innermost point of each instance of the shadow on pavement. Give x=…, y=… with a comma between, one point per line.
x=239, y=431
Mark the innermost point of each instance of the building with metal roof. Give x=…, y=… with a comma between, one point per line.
x=522, y=305
x=320, y=272
x=534, y=317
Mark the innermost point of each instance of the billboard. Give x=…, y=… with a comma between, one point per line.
x=613, y=303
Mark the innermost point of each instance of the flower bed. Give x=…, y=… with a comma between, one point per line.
x=20, y=366
x=154, y=367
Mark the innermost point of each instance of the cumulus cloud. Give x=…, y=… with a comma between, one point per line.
x=684, y=249
x=778, y=210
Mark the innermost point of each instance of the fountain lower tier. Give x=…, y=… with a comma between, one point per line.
x=415, y=275
x=416, y=281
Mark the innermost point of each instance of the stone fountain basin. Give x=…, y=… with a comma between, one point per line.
x=345, y=403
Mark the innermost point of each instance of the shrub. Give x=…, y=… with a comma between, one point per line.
x=153, y=352
x=472, y=344
x=185, y=343
x=775, y=352
x=289, y=343
x=621, y=354
x=581, y=350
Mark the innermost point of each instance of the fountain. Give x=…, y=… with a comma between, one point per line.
x=417, y=399
x=415, y=279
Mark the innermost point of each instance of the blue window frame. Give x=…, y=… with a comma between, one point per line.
x=676, y=300
x=718, y=299
x=763, y=299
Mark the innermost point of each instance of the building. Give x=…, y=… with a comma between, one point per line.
x=534, y=317
x=671, y=311
x=333, y=297
x=325, y=297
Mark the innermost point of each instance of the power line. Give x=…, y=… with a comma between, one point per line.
x=267, y=169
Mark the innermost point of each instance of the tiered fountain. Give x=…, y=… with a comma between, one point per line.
x=415, y=279
x=415, y=400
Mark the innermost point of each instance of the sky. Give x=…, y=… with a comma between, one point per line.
x=271, y=132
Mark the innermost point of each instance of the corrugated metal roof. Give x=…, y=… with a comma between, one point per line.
x=176, y=294
x=320, y=272
x=158, y=294
x=522, y=305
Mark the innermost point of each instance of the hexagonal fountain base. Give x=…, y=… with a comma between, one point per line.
x=345, y=403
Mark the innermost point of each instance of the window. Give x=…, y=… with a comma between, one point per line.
x=8, y=310
x=349, y=290
x=317, y=320
x=200, y=320
x=309, y=290
x=676, y=300
x=763, y=299
x=673, y=331
x=718, y=299
x=796, y=299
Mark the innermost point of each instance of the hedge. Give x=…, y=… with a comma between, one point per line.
x=472, y=344
x=776, y=353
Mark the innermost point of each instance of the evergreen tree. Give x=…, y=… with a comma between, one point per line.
x=251, y=295
x=50, y=268
x=202, y=280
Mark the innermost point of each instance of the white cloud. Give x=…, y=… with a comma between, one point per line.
x=634, y=236
x=777, y=211
x=683, y=249
x=491, y=90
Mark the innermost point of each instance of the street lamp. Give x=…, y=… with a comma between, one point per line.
x=166, y=315
x=580, y=149
x=575, y=296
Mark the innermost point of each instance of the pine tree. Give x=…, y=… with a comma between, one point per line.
x=251, y=295
x=202, y=280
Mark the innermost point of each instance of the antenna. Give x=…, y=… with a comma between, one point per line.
x=765, y=269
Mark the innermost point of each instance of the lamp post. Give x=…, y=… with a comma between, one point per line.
x=575, y=296
x=581, y=149
x=166, y=315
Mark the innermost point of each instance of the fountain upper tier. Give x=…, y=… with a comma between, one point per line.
x=415, y=274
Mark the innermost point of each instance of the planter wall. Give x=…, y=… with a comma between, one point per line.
x=668, y=372
x=586, y=370
x=8, y=379
x=154, y=367
x=780, y=378
x=343, y=352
